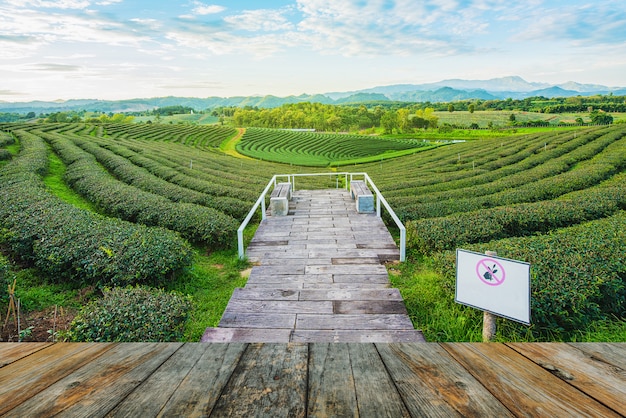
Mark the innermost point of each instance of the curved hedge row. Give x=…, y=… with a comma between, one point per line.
x=585, y=174
x=66, y=242
x=129, y=173
x=447, y=233
x=578, y=274
x=194, y=222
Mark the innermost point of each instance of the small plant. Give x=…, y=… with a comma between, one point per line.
x=132, y=314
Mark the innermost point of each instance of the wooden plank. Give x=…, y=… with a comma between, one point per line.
x=270, y=380
x=603, y=381
x=376, y=393
x=27, y=377
x=240, y=306
x=10, y=352
x=199, y=391
x=352, y=294
x=246, y=335
x=265, y=294
x=331, y=390
x=379, y=321
x=368, y=269
x=150, y=397
x=524, y=387
x=359, y=279
x=369, y=307
x=357, y=336
x=611, y=353
x=97, y=387
x=257, y=320
x=354, y=260
x=431, y=383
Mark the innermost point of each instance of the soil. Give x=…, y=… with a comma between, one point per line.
x=42, y=323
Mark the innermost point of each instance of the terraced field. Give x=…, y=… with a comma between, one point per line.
x=322, y=149
x=555, y=199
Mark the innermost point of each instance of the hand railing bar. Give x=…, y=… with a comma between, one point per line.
x=259, y=201
x=292, y=178
x=393, y=216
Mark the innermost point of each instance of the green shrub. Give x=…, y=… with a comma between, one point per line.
x=68, y=243
x=85, y=175
x=5, y=155
x=5, y=280
x=447, y=233
x=132, y=314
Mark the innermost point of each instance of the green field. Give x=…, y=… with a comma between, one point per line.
x=323, y=149
x=86, y=206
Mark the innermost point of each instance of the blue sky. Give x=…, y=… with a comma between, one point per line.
x=119, y=49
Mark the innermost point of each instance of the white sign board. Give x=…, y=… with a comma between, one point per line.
x=493, y=284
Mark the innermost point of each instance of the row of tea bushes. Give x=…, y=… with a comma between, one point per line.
x=431, y=235
x=585, y=174
x=68, y=243
x=129, y=173
x=196, y=223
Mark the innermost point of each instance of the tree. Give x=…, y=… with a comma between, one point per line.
x=600, y=118
x=450, y=108
x=471, y=108
x=389, y=121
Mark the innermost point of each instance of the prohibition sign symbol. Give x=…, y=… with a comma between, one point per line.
x=490, y=271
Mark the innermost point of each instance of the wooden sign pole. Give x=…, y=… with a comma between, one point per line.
x=489, y=319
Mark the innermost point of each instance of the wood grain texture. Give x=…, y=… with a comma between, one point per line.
x=524, y=387
x=97, y=387
x=42, y=369
x=331, y=390
x=10, y=352
x=604, y=381
x=433, y=384
x=271, y=380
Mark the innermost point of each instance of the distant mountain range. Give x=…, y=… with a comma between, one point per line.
x=443, y=91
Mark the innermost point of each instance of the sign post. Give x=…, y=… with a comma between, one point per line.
x=495, y=285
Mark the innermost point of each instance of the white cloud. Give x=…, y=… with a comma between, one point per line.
x=207, y=9
x=260, y=20
x=51, y=4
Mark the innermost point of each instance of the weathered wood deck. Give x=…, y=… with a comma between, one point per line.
x=316, y=379
x=320, y=278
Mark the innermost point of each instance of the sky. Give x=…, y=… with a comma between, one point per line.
x=122, y=49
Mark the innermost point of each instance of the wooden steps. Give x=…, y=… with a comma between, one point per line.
x=319, y=278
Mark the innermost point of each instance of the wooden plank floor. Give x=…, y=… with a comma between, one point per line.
x=320, y=278
x=312, y=379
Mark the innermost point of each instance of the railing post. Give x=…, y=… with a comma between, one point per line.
x=402, y=244
x=240, y=244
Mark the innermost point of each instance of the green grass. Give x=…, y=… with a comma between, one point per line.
x=431, y=306
x=56, y=185
x=429, y=300
x=38, y=293
x=210, y=282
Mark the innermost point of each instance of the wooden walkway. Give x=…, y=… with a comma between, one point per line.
x=316, y=379
x=320, y=278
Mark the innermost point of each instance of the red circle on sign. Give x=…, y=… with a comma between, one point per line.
x=490, y=272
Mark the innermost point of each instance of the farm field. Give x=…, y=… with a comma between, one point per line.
x=323, y=149
x=500, y=118
x=159, y=197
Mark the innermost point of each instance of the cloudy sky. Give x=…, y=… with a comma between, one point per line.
x=118, y=49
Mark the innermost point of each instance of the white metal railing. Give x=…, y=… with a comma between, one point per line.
x=348, y=177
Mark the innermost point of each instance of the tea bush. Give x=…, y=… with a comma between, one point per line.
x=447, y=233
x=197, y=223
x=132, y=314
x=68, y=243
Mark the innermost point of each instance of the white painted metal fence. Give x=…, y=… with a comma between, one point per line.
x=348, y=177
